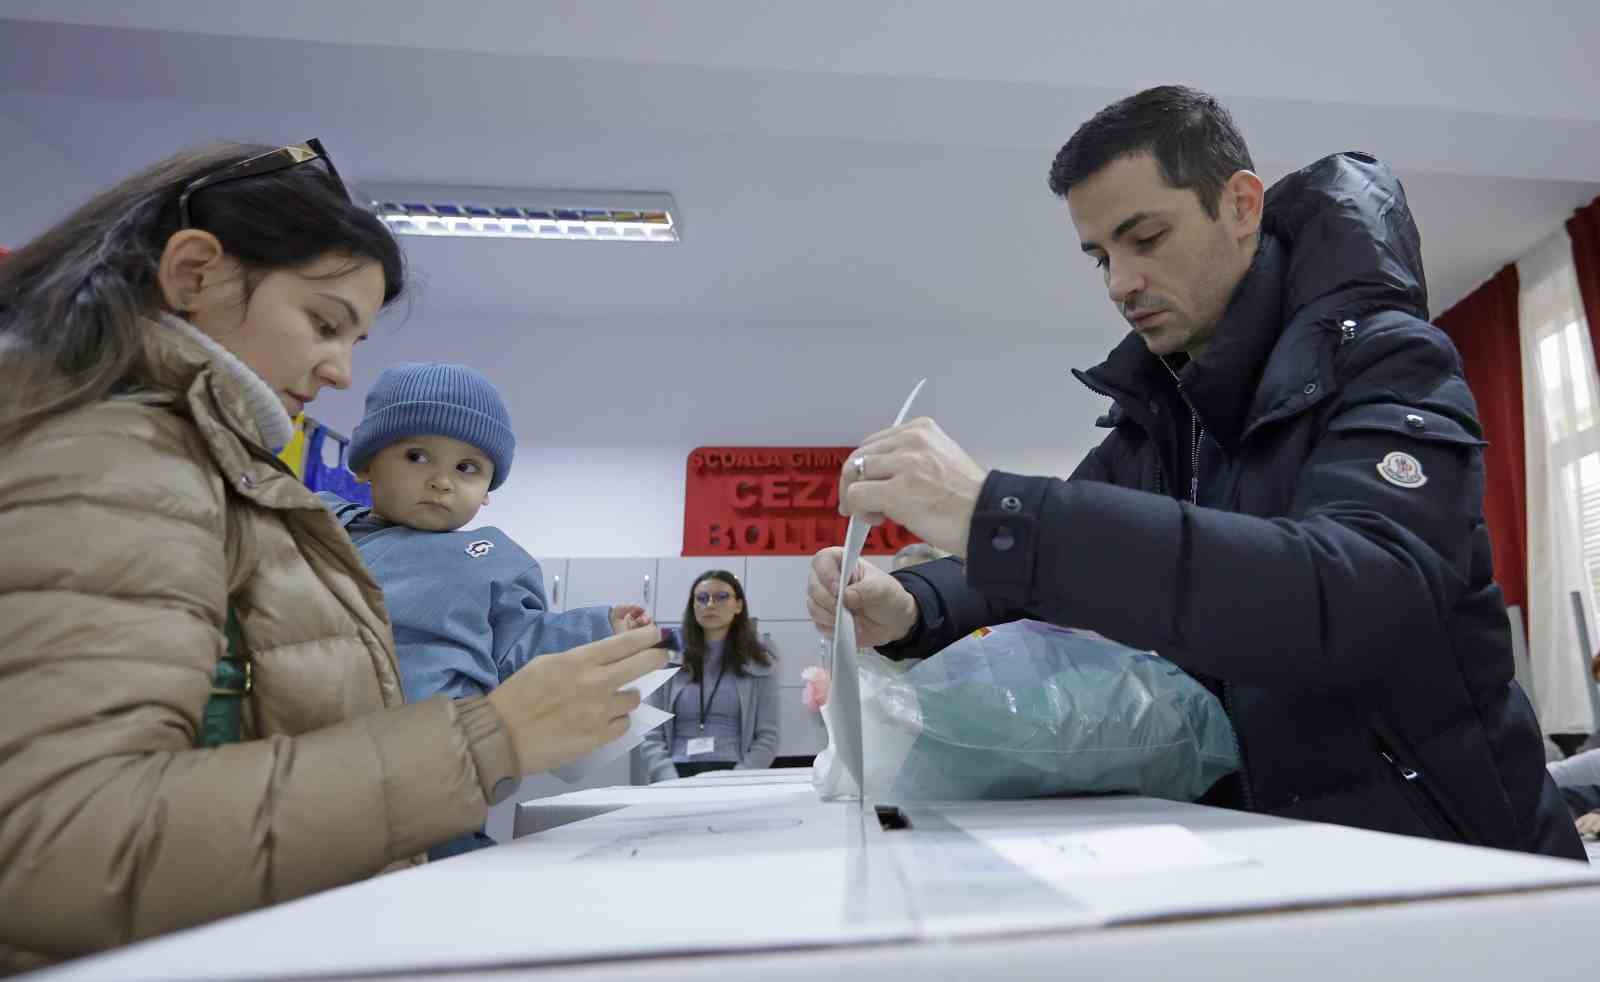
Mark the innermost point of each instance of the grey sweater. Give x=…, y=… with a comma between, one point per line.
x=757, y=688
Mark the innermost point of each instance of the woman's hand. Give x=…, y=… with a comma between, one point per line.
x=559, y=707
x=626, y=617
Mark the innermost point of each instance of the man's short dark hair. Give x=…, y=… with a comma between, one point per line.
x=1193, y=138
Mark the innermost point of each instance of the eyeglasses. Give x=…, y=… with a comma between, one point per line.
x=707, y=599
x=262, y=163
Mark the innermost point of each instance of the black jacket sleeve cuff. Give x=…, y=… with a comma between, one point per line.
x=1003, y=542
x=946, y=608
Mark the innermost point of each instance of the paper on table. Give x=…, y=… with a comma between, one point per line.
x=844, y=693
x=640, y=721
x=1130, y=851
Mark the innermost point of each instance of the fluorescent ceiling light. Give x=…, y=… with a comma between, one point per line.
x=507, y=213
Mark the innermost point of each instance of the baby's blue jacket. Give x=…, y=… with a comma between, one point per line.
x=468, y=607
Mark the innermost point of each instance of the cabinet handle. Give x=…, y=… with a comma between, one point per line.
x=555, y=590
x=647, y=589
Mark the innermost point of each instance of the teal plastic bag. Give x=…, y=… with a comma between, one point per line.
x=1028, y=709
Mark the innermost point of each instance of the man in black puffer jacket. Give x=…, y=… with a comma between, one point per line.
x=1288, y=503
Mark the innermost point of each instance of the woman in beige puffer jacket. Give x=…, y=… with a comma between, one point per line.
x=141, y=504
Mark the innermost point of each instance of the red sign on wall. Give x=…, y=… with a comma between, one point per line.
x=772, y=501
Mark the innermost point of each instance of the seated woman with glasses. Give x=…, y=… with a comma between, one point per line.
x=725, y=701
x=200, y=710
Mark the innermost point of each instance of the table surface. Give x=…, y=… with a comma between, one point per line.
x=682, y=877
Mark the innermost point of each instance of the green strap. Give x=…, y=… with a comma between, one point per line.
x=220, y=723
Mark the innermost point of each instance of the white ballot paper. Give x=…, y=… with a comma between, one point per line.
x=844, y=693
x=640, y=721
x=1062, y=860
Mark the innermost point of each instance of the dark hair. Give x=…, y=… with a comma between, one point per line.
x=1193, y=138
x=742, y=647
x=71, y=300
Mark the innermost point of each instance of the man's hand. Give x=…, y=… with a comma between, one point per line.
x=917, y=476
x=627, y=617
x=1589, y=824
x=882, y=609
x=559, y=707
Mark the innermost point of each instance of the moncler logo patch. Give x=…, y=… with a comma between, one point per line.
x=1402, y=470
x=479, y=549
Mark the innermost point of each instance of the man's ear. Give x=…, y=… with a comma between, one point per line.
x=1242, y=200
x=364, y=476
x=485, y=502
x=192, y=264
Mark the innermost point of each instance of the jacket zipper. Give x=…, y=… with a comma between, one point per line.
x=1417, y=791
x=1197, y=433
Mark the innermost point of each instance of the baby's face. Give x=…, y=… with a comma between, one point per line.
x=432, y=483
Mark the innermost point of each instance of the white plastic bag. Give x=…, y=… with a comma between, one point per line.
x=828, y=774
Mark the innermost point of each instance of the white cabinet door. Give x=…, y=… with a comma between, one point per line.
x=796, y=645
x=800, y=731
x=608, y=582
x=678, y=575
x=776, y=587
x=555, y=582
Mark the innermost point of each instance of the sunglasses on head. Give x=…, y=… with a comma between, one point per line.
x=262, y=163
x=705, y=599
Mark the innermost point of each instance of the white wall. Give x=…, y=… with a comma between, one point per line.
x=41, y=184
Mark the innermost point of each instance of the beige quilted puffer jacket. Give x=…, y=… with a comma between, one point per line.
x=125, y=529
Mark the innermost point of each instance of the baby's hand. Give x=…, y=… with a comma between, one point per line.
x=626, y=617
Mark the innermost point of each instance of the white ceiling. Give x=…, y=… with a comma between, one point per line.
x=862, y=184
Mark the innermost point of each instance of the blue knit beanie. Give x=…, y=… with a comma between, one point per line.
x=436, y=399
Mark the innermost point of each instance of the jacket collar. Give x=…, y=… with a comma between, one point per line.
x=1345, y=246
x=1220, y=383
x=181, y=353
x=236, y=412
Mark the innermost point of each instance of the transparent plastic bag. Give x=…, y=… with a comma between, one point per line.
x=828, y=774
x=1028, y=709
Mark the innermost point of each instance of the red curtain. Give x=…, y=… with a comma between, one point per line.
x=1584, y=230
x=1484, y=327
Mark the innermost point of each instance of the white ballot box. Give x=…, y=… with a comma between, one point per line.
x=752, y=877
